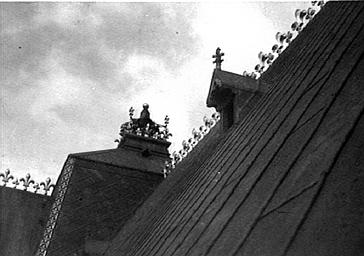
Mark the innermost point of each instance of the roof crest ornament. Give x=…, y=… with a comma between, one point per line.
x=28, y=184
x=218, y=60
x=188, y=145
x=284, y=39
x=56, y=207
x=144, y=126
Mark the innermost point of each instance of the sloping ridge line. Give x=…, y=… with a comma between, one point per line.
x=310, y=60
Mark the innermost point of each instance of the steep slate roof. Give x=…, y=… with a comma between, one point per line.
x=99, y=192
x=285, y=180
x=23, y=215
x=99, y=199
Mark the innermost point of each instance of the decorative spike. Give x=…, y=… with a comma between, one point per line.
x=295, y=26
x=198, y=135
x=27, y=181
x=216, y=116
x=166, y=120
x=6, y=176
x=166, y=171
x=302, y=14
x=131, y=112
x=297, y=14
x=16, y=182
x=36, y=187
x=202, y=129
x=260, y=56
x=205, y=120
x=275, y=48
x=209, y=123
x=278, y=36
x=176, y=157
x=194, y=132
x=310, y=13
x=318, y=3
x=282, y=38
x=47, y=185
x=270, y=58
x=186, y=146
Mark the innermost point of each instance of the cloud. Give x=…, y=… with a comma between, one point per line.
x=71, y=71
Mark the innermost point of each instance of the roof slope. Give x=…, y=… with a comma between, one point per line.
x=264, y=188
x=23, y=215
x=176, y=182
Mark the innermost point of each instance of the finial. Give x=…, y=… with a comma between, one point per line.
x=218, y=60
x=36, y=187
x=6, y=176
x=299, y=23
x=131, y=113
x=318, y=3
x=27, y=181
x=16, y=182
x=47, y=185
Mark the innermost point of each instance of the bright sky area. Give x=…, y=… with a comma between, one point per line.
x=71, y=71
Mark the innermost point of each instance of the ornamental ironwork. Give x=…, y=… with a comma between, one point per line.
x=25, y=183
x=60, y=192
x=46, y=186
x=6, y=177
x=188, y=145
x=284, y=39
x=144, y=126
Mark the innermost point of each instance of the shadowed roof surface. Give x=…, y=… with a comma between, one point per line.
x=284, y=181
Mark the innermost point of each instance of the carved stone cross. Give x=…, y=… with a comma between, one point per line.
x=218, y=60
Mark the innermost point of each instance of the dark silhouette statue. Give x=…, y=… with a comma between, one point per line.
x=145, y=117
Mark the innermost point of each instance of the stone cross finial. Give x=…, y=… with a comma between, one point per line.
x=218, y=60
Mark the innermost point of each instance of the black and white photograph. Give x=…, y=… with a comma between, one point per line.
x=188, y=128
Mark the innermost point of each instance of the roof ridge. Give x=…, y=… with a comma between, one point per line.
x=27, y=183
x=190, y=144
x=303, y=17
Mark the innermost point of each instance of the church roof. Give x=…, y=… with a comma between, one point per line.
x=284, y=181
x=97, y=192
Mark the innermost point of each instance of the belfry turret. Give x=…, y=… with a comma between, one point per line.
x=144, y=135
x=107, y=186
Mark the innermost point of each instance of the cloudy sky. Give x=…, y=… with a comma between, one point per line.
x=71, y=71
